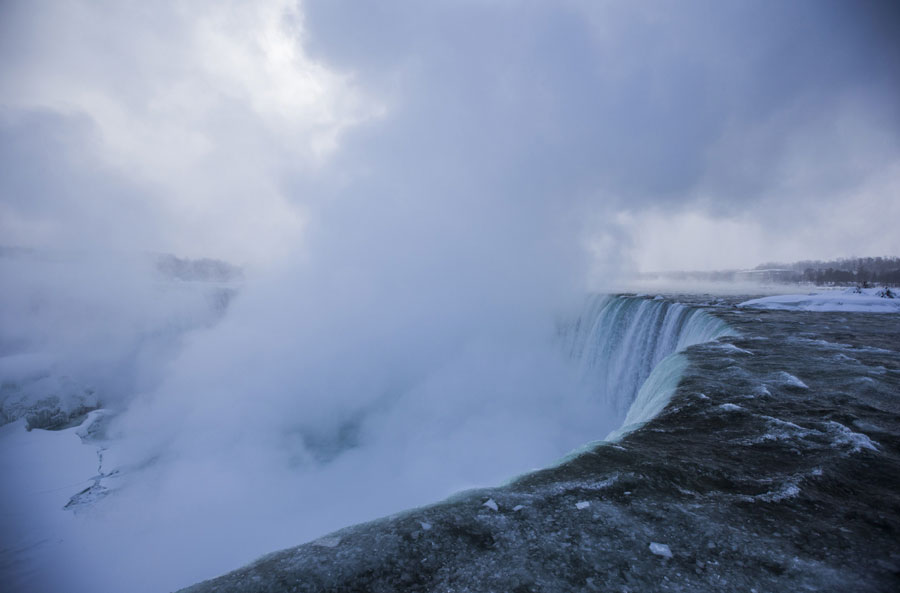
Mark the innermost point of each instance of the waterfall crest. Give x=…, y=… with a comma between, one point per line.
x=626, y=348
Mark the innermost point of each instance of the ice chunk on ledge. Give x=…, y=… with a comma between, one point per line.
x=582, y=505
x=327, y=542
x=491, y=504
x=661, y=550
x=863, y=300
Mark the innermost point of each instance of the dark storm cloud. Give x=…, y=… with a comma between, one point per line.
x=582, y=108
x=577, y=97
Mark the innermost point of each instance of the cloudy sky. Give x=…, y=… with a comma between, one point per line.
x=671, y=135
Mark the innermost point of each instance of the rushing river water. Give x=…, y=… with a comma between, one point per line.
x=774, y=466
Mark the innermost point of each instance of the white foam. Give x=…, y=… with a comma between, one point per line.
x=789, y=379
x=844, y=437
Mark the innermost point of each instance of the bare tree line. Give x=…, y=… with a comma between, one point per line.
x=838, y=272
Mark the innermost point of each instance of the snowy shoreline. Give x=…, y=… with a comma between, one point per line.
x=858, y=300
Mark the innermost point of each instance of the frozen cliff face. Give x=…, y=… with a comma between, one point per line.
x=45, y=401
x=197, y=270
x=82, y=330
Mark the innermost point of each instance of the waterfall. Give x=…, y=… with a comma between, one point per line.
x=627, y=349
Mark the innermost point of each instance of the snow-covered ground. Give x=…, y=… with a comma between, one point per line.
x=863, y=300
x=41, y=471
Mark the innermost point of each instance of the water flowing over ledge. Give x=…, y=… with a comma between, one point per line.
x=628, y=350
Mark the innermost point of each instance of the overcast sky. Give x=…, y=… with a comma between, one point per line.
x=671, y=135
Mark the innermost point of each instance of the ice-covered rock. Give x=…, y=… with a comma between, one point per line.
x=661, y=549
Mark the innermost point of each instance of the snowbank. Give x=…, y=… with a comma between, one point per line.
x=41, y=470
x=864, y=300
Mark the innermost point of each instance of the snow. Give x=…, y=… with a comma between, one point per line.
x=863, y=300
x=491, y=504
x=582, y=505
x=660, y=549
x=41, y=471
